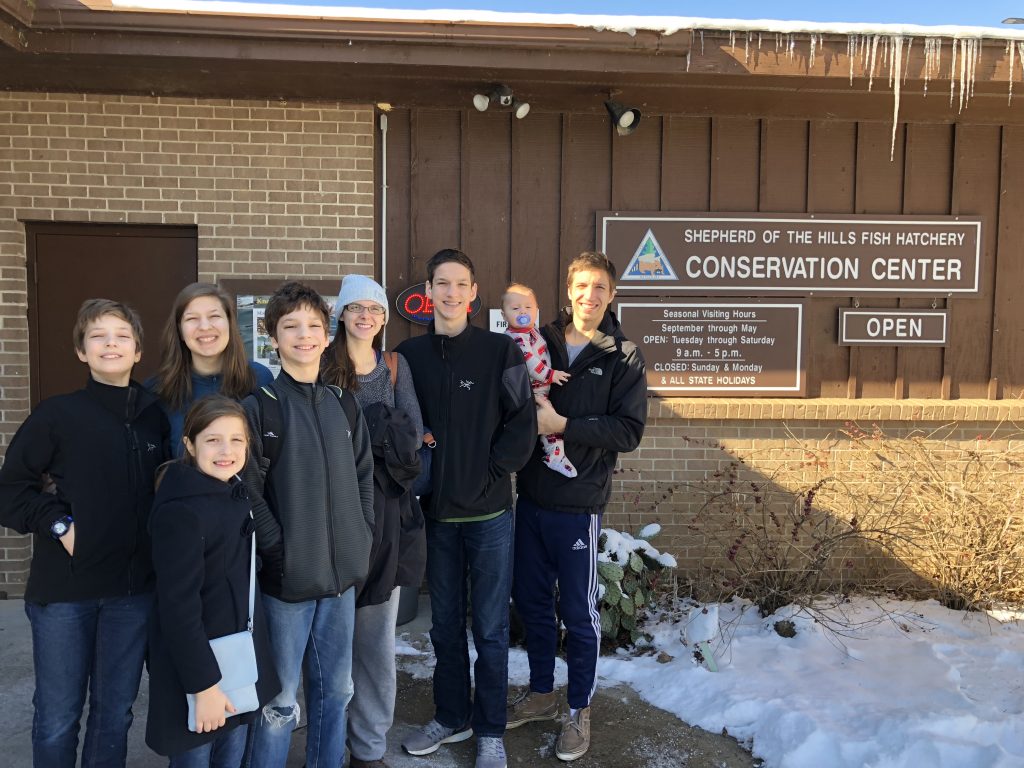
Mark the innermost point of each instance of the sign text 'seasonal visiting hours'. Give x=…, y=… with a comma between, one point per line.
x=719, y=348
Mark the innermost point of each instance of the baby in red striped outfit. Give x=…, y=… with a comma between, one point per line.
x=519, y=307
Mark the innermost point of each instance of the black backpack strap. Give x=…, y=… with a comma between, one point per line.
x=348, y=403
x=272, y=424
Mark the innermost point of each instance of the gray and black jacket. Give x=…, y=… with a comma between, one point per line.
x=313, y=505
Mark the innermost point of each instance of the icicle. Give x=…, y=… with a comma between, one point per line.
x=790, y=47
x=1011, y=50
x=897, y=43
x=732, y=41
x=975, y=53
x=758, y=42
x=871, y=68
x=851, y=52
x=885, y=52
x=952, y=74
x=746, y=49
x=702, y=42
x=963, y=71
x=906, y=67
x=1020, y=56
x=810, y=59
x=778, y=41
x=892, y=65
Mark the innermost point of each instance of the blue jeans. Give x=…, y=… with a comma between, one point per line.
x=94, y=646
x=223, y=752
x=483, y=551
x=319, y=632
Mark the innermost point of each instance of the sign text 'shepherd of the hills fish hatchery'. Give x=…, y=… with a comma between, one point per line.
x=796, y=255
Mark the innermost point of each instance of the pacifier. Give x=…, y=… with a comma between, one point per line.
x=523, y=320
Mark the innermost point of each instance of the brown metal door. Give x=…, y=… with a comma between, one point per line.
x=143, y=266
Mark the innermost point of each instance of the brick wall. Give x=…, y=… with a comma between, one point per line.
x=690, y=445
x=276, y=189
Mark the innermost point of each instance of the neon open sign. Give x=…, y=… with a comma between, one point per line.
x=415, y=306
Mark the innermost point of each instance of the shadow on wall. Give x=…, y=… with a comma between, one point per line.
x=930, y=513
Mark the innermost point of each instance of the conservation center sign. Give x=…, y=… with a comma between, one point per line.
x=712, y=254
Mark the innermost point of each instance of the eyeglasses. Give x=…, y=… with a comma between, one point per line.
x=358, y=309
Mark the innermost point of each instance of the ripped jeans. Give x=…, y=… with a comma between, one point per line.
x=319, y=632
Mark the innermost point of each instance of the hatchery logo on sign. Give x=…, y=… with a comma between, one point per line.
x=649, y=262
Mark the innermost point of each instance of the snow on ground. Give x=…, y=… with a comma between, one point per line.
x=910, y=685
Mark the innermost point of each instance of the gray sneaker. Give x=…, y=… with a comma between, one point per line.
x=431, y=736
x=530, y=707
x=574, y=740
x=490, y=752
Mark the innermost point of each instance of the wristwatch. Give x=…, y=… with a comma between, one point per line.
x=61, y=526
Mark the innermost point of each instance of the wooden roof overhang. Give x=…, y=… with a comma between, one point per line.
x=92, y=46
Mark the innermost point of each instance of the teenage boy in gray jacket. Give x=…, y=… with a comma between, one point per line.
x=311, y=480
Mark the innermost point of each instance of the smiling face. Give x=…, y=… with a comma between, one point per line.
x=219, y=450
x=205, y=330
x=452, y=290
x=590, y=293
x=363, y=323
x=300, y=338
x=110, y=349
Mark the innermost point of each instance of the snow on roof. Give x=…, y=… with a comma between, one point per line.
x=628, y=24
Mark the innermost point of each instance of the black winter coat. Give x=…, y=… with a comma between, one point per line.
x=398, y=556
x=474, y=392
x=100, y=446
x=201, y=529
x=605, y=402
x=314, y=506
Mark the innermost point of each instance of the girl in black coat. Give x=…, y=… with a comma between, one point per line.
x=201, y=528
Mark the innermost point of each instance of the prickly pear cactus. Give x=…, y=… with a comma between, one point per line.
x=628, y=569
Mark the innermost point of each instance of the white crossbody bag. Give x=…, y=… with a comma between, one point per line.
x=236, y=657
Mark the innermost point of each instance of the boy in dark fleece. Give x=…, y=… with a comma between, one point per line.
x=89, y=593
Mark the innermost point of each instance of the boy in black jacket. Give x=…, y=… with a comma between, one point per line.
x=314, y=526
x=601, y=411
x=474, y=392
x=79, y=475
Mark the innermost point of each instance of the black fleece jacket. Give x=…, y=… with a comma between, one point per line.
x=201, y=529
x=100, y=446
x=474, y=392
x=605, y=403
x=314, y=506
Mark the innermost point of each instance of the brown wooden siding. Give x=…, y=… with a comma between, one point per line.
x=520, y=198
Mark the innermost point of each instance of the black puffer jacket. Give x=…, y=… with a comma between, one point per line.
x=100, y=446
x=314, y=506
x=605, y=403
x=201, y=531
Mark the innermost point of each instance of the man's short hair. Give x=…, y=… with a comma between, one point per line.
x=444, y=256
x=93, y=309
x=290, y=297
x=591, y=260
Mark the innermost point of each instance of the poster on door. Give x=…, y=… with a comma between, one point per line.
x=256, y=337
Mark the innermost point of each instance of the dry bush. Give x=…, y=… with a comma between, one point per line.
x=960, y=509
x=943, y=518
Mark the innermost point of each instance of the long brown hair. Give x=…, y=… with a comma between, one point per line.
x=336, y=367
x=174, y=378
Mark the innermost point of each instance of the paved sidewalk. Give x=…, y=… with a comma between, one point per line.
x=627, y=731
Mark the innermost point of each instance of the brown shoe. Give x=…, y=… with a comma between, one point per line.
x=357, y=763
x=531, y=707
x=574, y=740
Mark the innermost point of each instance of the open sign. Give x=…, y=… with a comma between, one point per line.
x=415, y=306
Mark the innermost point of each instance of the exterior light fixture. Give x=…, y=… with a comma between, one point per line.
x=625, y=119
x=503, y=97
